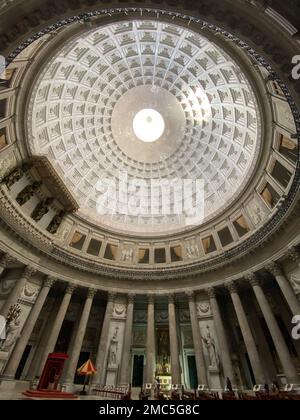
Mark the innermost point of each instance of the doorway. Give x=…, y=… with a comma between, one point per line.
x=192, y=372
x=138, y=370
x=23, y=361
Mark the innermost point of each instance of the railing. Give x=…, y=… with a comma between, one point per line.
x=117, y=393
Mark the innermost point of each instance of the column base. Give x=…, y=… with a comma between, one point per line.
x=68, y=387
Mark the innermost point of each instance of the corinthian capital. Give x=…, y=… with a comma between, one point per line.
x=294, y=255
x=231, y=286
x=211, y=291
x=28, y=272
x=70, y=289
x=49, y=281
x=252, y=279
x=191, y=295
x=274, y=268
x=4, y=260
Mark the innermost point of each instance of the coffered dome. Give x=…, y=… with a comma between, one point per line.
x=105, y=92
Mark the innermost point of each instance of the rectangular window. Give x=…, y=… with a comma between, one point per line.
x=144, y=256
x=160, y=255
x=176, y=253
x=209, y=244
x=225, y=236
x=111, y=252
x=3, y=141
x=78, y=240
x=241, y=226
x=281, y=174
x=2, y=108
x=288, y=148
x=94, y=247
x=270, y=196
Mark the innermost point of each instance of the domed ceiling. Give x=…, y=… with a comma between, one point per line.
x=147, y=101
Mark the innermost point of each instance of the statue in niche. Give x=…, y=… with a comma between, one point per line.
x=28, y=192
x=127, y=255
x=41, y=209
x=13, y=326
x=56, y=222
x=113, y=349
x=16, y=175
x=211, y=348
x=192, y=250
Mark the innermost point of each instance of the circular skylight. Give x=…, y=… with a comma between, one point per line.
x=131, y=104
x=148, y=125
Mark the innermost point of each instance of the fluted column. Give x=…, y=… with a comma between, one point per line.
x=4, y=261
x=247, y=335
x=16, y=291
x=150, y=348
x=126, y=351
x=174, y=345
x=79, y=337
x=99, y=377
x=57, y=325
x=197, y=340
x=278, y=340
x=222, y=338
x=13, y=363
x=285, y=286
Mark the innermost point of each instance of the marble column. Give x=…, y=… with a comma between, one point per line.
x=15, y=358
x=79, y=337
x=197, y=340
x=278, y=340
x=174, y=344
x=247, y=335
x=222, y=338
x=4, y=261
x=285, y=286
x=101, y=359
x=150, y=347
x=126, y=351
x=16, y=291
x=50, y=347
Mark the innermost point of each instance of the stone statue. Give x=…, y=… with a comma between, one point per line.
x=113, y=349
x=211, y=348
x=16, y=175
x=28, y=192
x=41, y=209
x=127, y=255
x=12, y=334
x=56, y=222
x=192, y=250
x=12, y=328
